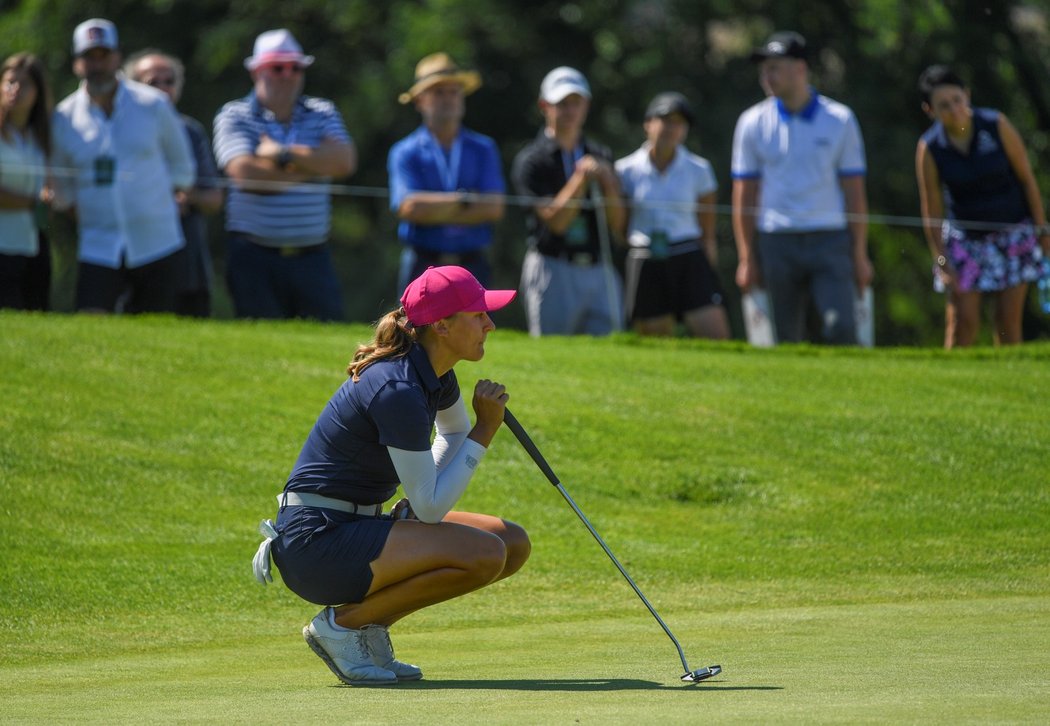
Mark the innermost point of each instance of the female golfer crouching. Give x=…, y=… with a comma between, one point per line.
x=332, y=544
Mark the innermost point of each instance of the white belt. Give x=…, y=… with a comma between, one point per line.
x=303, y=499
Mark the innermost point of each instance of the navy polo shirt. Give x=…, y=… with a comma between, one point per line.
x=980, y=185
x=394, y=403
x=540, y=171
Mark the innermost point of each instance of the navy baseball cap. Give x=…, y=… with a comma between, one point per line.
x=785, y=44
x=665, y=104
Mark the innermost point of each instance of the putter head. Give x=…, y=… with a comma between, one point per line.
x=702, y=675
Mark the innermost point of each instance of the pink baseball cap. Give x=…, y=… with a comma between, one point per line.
x=443, y=291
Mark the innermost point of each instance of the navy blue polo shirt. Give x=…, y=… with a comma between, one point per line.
x=394, y=403
x=980, y=185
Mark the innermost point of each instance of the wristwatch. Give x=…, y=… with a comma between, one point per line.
x=941, y=261
x=284, y=156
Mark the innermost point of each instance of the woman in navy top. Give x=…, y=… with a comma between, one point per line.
x=982, y=212
x=332, y=544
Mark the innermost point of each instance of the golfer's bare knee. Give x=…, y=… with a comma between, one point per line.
x=519, y=547
x=488, y=557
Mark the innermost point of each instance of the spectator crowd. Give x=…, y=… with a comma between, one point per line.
x=140, y=179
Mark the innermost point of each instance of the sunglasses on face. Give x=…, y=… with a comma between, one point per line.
x=162, y=82
x=285, y=69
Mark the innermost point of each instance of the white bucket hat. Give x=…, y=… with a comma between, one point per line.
x=277, y=46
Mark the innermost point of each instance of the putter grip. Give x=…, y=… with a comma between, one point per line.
x=526, y=443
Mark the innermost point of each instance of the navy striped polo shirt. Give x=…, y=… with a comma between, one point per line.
x=302, y=214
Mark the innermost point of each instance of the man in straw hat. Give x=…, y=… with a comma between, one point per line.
x=279, y=148
x=446, y=184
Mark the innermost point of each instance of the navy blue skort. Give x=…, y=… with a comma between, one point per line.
x=324, y=555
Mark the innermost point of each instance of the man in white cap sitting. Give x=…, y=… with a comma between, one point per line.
x=279, y=147
x=119, y=155
x=441, y=175
x=568, y=282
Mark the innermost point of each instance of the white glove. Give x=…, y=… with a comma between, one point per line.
x=261, y=561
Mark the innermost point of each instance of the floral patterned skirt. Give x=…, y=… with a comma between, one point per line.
x=992, y=261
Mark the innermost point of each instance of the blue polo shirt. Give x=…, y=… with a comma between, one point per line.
x=418, y=163
x=394, y=403
x=799, y=160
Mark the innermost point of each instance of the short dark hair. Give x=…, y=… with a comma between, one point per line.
x=937, y=75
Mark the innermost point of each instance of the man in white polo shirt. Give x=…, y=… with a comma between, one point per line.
x=119, y=155
x=799, y=200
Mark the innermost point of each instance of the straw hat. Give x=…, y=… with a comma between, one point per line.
x=440, y=68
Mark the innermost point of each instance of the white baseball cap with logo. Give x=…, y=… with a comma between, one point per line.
x=563, y=82
x=277, y=46
x=94, y=33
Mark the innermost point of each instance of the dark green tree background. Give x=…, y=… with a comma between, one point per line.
x=868, y=55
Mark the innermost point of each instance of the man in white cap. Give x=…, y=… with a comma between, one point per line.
x=119, y=155
x=568, y=281
x=446, y=181
x=279, y=148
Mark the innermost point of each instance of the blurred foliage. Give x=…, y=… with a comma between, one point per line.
x=869, y=54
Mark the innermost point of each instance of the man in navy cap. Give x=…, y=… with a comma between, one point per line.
x=799, y=200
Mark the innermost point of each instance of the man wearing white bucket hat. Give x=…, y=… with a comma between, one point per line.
x=279, y=147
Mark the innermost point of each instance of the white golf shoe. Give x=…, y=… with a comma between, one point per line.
x=345, y=652
x=377, y=640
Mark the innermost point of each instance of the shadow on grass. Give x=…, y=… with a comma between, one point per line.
x=565, y=684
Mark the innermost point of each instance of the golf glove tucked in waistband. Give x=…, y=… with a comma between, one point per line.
x=261, y=561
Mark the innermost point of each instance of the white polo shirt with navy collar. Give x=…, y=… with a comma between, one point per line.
x=799, y=160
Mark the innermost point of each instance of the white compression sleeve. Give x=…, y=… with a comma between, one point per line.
x=453, y=425
x=433, y=493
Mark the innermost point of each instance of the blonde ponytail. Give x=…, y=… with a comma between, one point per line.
x=393, y=339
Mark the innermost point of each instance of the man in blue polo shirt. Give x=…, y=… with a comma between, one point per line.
x=799, y=200
x=446, y=183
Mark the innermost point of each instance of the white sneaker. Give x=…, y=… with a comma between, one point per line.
x=345, y=653
x=377, y=640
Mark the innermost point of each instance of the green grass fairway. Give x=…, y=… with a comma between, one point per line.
x=856, y=536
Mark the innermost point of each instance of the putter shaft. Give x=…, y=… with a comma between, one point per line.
x=526, y=442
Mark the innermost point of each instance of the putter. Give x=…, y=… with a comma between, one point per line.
x=690, y=676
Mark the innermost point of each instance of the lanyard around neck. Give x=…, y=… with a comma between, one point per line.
x=448, y=167
x=569, y=159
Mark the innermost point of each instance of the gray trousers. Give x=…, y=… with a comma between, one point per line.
x=799, y=266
